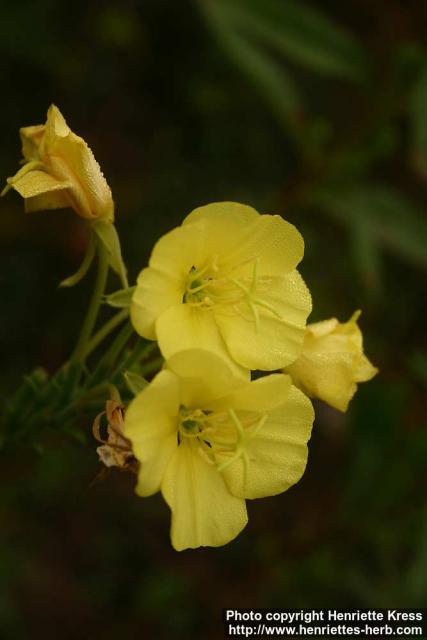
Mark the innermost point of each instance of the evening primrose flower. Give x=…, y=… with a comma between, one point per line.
x=226, y=281
x=332, y=362
x=60, y=171
x=207, y=439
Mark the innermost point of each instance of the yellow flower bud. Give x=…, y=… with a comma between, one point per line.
x=60, y=171
x=332, y=362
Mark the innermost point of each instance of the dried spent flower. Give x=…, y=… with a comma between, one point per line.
x=116, y=449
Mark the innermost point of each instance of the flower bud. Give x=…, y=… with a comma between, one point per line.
x=332, y=362
x=60, y=171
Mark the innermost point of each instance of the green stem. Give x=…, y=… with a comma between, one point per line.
x=106, y=330
x=95, y=302
x=153, y=366
x=109, y=358
x=140, y=351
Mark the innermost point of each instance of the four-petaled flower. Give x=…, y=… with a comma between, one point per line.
x=226, y=281
x=60, y=171
x=209, y=439
x=332, y=362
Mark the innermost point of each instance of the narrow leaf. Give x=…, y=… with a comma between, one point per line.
x=107, y=233
x=135, y=382
x=302, y=34
x=120, y=299
x=418, y=116
x=84, y=267
x=269, y=78
x=392, y=220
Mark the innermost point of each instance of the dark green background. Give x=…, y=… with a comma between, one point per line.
x=322, y=118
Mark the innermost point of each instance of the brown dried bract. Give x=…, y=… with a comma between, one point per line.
x=116, y=449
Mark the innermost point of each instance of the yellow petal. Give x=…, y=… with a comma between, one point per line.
x=47, y=201
x=237, y=233
x=204, y=377
x=155, y=292
x=31, y=138
x=68, y=157
x=204, y=513
x=237, y=214
x=184, y=327
x=151, y=424
x=279, y=336
x=71, y=159
x=277, y=454
x=332, y=362
x=265, y=394
x=322, y=328
x=178, y=251
x=364, y=370
x=55, y=125
x=36, y=183
x=233, y=234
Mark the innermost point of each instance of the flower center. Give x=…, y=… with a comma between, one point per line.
x=191, y=422
x=211, y=286
x=223, y=433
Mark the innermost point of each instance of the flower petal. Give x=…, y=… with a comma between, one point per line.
x=31, y=138
x=238, y=234
x=155, y=292
x=241, y=213
x=151, y=424
x=277, y=453
x=51, y=200
x=184, y=327
x=55, y=125
x=264, y=394
x=204, y=513
x=364, y=370
x=175, y=253
x=70, y=158
x=204, y=377
x=332, y=362
x=279, y=336
x=36, y=183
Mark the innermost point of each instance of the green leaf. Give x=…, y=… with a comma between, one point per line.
x=389, y=217
x=84, y=267
x=107, y=234
x=269, y=78
x=120, y=299
x=417, y=363
x=367, y=254
x=302, y=34
x=418, y=117
x=135, y=382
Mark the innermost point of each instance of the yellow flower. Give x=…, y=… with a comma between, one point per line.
x=225, y=281
x=332, y=362
x=60, y=171
x=209, y=439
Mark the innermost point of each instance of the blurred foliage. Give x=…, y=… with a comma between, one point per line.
x=314, y=110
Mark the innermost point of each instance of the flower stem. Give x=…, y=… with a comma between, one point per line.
x=106, y=330
x=153, y=366
x=95, y=302
x=108, y=360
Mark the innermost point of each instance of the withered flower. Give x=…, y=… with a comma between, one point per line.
x=116, y=449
